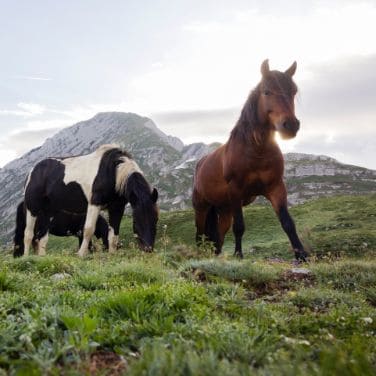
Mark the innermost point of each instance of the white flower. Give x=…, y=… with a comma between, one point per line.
x=367, y=320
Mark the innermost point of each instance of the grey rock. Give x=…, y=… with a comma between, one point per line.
x=60, y=276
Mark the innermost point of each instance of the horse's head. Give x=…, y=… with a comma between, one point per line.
x=145, y=218
x=276, y=100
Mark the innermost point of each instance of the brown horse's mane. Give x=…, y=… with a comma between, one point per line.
x=248, y=122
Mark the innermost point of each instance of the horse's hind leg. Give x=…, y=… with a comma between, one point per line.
x=200, y=221
x=224, y=223
x=20, y=231
x=41, y=229
x=212, y=228
x=238, y=229
x=29, y=231
x=42, y=245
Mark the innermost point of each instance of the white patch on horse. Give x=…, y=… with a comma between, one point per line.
x=42, y=244
x=123, y=170
x=29, y=231
x=83, y=170
x=28, y=180
x=89, y=228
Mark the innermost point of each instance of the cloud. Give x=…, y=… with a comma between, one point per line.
x=32, y=108
x=32, y=78
x=21, y=142
x=47, y=124
x=359, y=150
x=25, y=110
x=198, y=125
x=340, y=88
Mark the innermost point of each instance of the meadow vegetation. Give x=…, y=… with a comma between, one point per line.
x=183, y=311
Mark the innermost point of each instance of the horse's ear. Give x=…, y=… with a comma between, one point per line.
x=132, y=199
x=265, y=67
x=291, y=71
x=154, y=195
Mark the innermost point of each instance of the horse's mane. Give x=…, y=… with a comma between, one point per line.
x=248, y=122
x=105, y=147
x=138, y=185
x=125, y=166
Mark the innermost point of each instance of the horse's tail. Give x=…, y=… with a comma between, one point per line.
x=211, y=226
x=19, y=247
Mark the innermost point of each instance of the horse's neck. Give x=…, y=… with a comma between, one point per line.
x=248, y=143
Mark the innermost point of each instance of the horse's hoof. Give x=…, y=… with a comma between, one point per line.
x=146, y=249
x=301, y=255
x=239, y=254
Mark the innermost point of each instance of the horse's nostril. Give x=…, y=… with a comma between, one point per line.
x=291, y=126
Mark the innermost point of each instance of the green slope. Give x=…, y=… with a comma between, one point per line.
x=181, y=311
x=328, y=226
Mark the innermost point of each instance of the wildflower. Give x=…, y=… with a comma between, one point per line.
x=367, y=320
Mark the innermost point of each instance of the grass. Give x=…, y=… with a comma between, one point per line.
x=182, y=311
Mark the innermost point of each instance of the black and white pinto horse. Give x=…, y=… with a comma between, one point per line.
x=61, y=224
x=107, y=179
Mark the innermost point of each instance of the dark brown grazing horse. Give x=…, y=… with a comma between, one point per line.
x=249, y=164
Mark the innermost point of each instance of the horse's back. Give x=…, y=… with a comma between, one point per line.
x=46, y=190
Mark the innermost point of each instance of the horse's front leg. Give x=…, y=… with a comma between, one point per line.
x=29, y=231
x=278, y=199
x=115, y=214
x=89, y=228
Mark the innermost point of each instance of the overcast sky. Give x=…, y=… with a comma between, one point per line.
x=189, y=65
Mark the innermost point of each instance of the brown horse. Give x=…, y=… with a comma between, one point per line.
x=249, y=164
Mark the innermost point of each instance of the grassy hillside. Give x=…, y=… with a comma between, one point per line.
x=331, y=226
x=180, y=311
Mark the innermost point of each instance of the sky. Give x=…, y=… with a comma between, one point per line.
x=189, y=66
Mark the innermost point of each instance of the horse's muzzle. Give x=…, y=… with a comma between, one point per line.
x=288, y=128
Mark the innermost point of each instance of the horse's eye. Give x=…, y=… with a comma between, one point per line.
x=267, y=92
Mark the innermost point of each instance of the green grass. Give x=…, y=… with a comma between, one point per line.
x=182, y=311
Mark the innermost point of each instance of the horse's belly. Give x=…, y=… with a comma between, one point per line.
x=216, y=194
x=256, y=188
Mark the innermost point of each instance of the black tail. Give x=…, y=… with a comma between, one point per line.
x=19, y=247
x=211, y=227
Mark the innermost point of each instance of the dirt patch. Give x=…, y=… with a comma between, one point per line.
x=107, y=363
x=273, y=291
x=294, y=276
